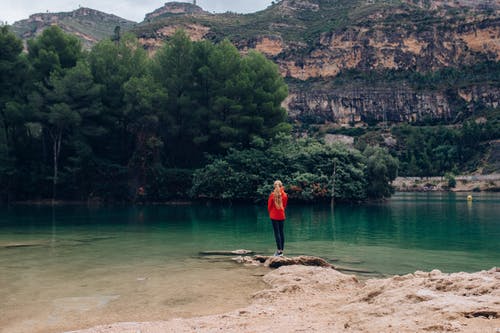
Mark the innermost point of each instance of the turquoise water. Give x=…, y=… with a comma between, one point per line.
x=72, y=267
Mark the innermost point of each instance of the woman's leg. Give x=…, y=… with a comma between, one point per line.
x=277, y=233
x=282, y=235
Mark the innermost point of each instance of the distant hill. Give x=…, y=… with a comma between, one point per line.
x=87, y=24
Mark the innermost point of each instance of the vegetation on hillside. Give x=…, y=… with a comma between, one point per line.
x=302, y=23
x=436, y=150
x=92, y=24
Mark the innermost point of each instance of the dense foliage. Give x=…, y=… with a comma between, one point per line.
x=311, y=170
x=78, y=125
x=436, y=150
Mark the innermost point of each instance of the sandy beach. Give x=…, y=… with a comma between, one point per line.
x=316, y=299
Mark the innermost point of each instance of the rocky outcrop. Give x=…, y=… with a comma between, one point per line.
x=315, y=299
x=437, y=4
x=174, y=8
x=277, y=261
x=270, y=45
x=396, y=47
x=351, y=105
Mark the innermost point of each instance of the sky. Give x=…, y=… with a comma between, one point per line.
x=134, y=10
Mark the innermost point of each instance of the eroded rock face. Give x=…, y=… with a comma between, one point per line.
x=195, y=31
x=350, y=105
x=392, y=47
x=269, y=45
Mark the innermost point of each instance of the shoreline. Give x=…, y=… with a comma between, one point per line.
x=401, y=184
x=317, y=299
x=475, y=183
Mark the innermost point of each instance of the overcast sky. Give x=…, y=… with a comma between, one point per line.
x=15, y=10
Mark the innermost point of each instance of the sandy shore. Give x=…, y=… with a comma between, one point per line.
x=314, y=299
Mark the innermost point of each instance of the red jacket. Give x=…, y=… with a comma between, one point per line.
x=274, y=212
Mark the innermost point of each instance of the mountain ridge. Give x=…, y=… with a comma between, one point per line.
x=89, y=25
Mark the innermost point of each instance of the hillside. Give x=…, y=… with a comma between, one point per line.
x=358, y=64
x=87, y=24
x=314, y=41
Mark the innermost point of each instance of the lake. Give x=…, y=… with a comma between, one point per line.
x=72, y=267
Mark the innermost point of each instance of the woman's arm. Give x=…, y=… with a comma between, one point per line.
x=270, y=202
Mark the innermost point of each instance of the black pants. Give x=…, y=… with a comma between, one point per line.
x=278, y=234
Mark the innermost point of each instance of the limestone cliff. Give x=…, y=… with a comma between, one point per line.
x=318, y=40
x=352, y=104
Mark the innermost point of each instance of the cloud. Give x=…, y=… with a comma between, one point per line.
x=15, y=10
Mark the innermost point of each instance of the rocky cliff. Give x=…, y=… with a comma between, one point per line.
x=318, y=40
x=314, y=42
x=384, y=102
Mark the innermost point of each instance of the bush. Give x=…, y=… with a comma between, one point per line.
x=450, y=180
x=310, y=170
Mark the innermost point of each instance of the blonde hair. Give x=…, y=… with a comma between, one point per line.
x=278, y=200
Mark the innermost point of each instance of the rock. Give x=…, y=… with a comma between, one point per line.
x=275, y=262
x=246, y=260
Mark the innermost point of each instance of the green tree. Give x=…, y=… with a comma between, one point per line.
x=68, y=105
x=381, y=170
x=173, y=71
x=305, y=166
x=217, y=99
x=144, y=100
x=53, y=51
x=121, y=68
x=13, y=80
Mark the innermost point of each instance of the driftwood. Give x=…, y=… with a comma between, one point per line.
x=225, y=253
x=19, y=245
x=354, y=270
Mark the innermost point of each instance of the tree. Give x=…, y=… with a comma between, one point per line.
x=68, y=101
x=121, y=68
x=53, y=51
x=13, y=81
x=173, y=71
x=144, y=99
x=305, y=166
x=381, y=170
x=217, y=99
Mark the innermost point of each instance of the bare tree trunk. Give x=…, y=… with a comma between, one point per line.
x=57, y=138
x=332, y=202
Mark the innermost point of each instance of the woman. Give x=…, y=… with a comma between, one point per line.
x=276, y=207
